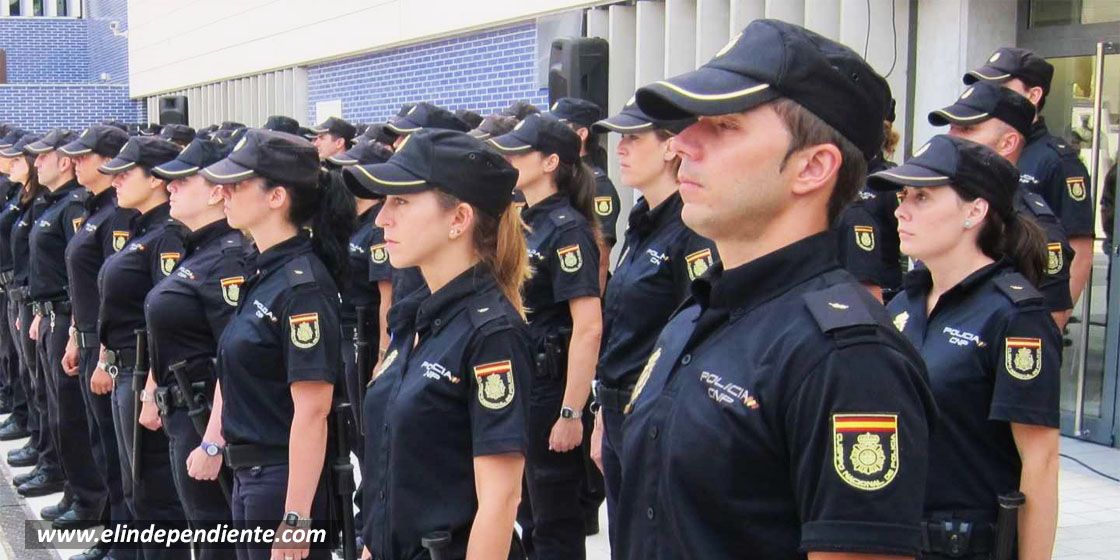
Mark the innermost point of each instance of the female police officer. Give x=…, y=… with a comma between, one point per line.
x=992, y=350
x=125, y=279
x=280, y=356
x=565, y=323
x=660, y=258
x=445, y=415
x=186, y=314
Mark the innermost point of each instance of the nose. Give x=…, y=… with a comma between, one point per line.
x=686, y=144
x=382, y=218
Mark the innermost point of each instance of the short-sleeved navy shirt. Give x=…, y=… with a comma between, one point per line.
x=187, y=312
x=105, y=231
x=378, y=269
x=660, y=258
x=61, y=218
x=128, y=275
x=21, y=241
x=565, y=261
x=286, y=330
x=9, y=214
x=360, y=292
x=994, y=357
x=868, y=233
x=1052, y=168
x=779, y=413
x=607, y=203
x=453, y=387
x=1055, y=284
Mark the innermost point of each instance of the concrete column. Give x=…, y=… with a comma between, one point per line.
x=680, y=36
x=50, y=8
x=26, y=7
x=823, y=16
x=650, y=42
x=598, y=23
x=792, y=11
x=620, y=87
x=711, y=28
x=743, y=12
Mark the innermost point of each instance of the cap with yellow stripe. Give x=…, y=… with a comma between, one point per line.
x=632, y=120
x=143, y=151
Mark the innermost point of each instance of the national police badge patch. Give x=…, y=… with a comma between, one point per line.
x=119, y=239
x=698, y=263
x=231, y=289
x=1054, y=261
x=77, y=223
x=304, y=329
x=1023, y=357
x=865, y=449
x=865, y=237
x=1076, y=187
x=604, y=206
x=378, y=254
x=167, y=262
x=571, y=259
x=495, y=384
x=900, y=321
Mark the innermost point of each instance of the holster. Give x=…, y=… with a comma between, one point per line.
x=552, y=354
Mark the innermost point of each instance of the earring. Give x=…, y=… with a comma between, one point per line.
x=455, y=233
x=967, y=224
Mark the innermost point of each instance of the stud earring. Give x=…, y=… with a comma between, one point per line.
x=968, y=224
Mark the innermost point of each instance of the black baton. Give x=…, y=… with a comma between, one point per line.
x=362, y=359
x=435, y=542
x=139, y=376
x=1007, y=524
x=199, y=412
x=343, y=480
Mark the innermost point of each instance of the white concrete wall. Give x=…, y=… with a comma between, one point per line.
x=174, y=44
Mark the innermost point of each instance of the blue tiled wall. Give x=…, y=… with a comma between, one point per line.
x=41, y=107
x=45, y=50
x=483, y=72
x=108, y=53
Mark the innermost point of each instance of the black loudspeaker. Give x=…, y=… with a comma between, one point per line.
x=173, y=109
x=577, y=67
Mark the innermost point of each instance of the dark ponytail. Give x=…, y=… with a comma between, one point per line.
x=31, y=187
x=328, y=210
x=1020, y=239
x=577, y=182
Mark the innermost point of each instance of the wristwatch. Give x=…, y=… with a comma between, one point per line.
x=292, y=519
x=569, y=413
x=210, y=448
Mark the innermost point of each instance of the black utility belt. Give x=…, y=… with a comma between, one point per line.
x=169, y=399
x=243, y=456
x=46, y=308
x=119, y=361
x=613, y=399
x=86, y=339
x=958, y=538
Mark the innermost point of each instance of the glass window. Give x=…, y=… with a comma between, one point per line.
x=13, y=7
x=1073, y=12
x=37, y=8
x=61, y=7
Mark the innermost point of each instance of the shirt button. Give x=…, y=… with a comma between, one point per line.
x=381, y=495
x=687, y=359
x=653, y=432
x=650, y=514
x=385, y=427
x=438, y=322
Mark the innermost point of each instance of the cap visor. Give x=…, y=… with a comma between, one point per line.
x=403, y=126
x=481, y=135
x=986, y=73
x=75, y=149
x=384, y=179
x=343, y=160
x=956, y=114
x=225, y=172
x=116, y=166
x=622, y=124
x=510, y=144
x=174, y=169
x=706, y=91
x=10, y=153
x=37, y=148
x=906, y=175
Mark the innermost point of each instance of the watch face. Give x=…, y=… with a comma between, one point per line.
x=211, y=449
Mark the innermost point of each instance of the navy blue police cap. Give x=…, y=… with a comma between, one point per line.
x=338, y=127
x=198, y=154
x=470, y=118
x=771, y=59
x=576, y=111
x=380, y=132
x=282, y=123
x=983, y=101
x=1011, y=62
x=178, y=133
x=231, y=125
x=53, y=140
x=282, y=158
x=450, y=161
x=494, y=125
x=426, y=115
x=12, y=137
x=149, y=129
x=101, y=139
x=18, y=148
x=631, y=119
x=972, y=168
x=520, y=109
x=541, y=134
x=365, y=151
x=143, y=151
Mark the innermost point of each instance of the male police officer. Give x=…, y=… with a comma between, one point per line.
x=333, y=137
x=780, y=412
x=1049, y=166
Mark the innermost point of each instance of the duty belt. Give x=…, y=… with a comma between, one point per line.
x=51, y=309
x=118, y=360
x=86, y=339
x=613, y=399
x=19, y=294
x=241, y=456
x=168, y=399
x=957, y=538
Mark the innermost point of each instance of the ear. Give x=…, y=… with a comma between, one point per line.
x=1035, y=94
x=978, y=210
x=550, y=163
x=462, y=218
x=667, y=153
x=1008, y=143
x=277, y=197
x=583, y=133
x=814, y=168
x=215, y=196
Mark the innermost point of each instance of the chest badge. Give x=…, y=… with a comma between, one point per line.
x=865, y=237
x=698, y=263
x=231, y=289
x=604, y=206
x=865, y=449
x=304, y=330
x=1054, y=261
x=571, y=259
x=119, y=239
x=378, y=254
x=1076, y=187
x=643, y=378
x=495, y=384
x=77, y=223
x=1023, y=357
x=167, y=262
x=900, y=320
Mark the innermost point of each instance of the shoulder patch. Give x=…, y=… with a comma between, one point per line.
x=1017, y=288
x=838, y=307
x=299, y=272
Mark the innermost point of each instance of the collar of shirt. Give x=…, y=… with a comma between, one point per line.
x=284, y=251
x=919, y=282
x=747, y=286
x=157, y=215
x=206, y=234
x=530, y=213
x=435, y=311
x=62, y=191
x=1038, y=130
x=98, y=201
x=643, y=220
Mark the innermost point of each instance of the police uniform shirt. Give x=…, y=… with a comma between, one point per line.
x=187, y=312
x=105, y=231
x=379, y=269
x=779, y=413
x=660, y=258
x=1055, y=284
x=128, y=275
x=861, y=243
x=9, y=214
x=406, y=281
x=994, y=357
x=61, y=218
x=285, y=330
x=565, y=261
x=20, y=242
x=607, y=203
x=1051, y=167
x=453, y=386
x=360, y=292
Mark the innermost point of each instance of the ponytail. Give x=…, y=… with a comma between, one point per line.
x=577, y=182
x=31, y=187
x=1020, y=239
x=328, y=210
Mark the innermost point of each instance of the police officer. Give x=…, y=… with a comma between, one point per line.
x=460, y=365
x=1048, y=166
x=660, y=258
x=16, y=425
x=565, y=325
x=581, y=114
x=105, y=230
x=333, y=136
x=12, y=399
x=993, y=354
x=1001, y=119
x=279, y=359
x=185, y=315
x=779, y=412
x=126, y=277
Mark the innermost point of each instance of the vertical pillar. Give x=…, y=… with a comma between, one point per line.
x=680, y=36
x=743, y=12
x=791, y=11
x=711, y=28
